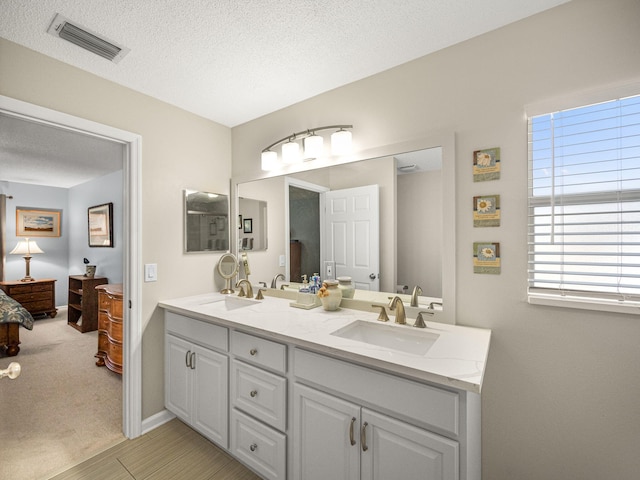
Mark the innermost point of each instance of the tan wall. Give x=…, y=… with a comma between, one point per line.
x=179, y=150
x=560, y=398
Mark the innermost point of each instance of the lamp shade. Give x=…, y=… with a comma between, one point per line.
x=26, y=247
x=341, y=142
x=269, y=160
x=313, y=146
x=291, y=152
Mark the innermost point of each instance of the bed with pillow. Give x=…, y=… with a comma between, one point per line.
x=12, y=316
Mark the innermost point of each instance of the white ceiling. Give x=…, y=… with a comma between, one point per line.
x=232, y=61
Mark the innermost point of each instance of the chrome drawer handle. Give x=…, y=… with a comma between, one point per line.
x=253, y=447
x=187, y=359
x=253, y=393
x=253, y=352
x=352, y=440
x=363, y=437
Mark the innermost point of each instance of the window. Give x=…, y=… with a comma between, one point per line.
x=584, y=206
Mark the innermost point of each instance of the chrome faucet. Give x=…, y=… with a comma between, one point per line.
x=274, y=282
x=396, y=304
x=249, y=291
x=414, y=295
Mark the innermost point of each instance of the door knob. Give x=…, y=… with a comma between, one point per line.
x=372, y=276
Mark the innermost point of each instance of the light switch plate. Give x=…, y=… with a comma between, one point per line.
x=330, y=270
x=281, y=261
x=151, y=272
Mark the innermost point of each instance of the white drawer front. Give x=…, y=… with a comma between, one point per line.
x=259, y=446
x=196, y=331
x=259, y=393
x=260, y=352
x=429, y=405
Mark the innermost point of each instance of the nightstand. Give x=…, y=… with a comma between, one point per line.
x=37, y=296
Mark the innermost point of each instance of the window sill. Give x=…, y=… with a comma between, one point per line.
x=585, y=303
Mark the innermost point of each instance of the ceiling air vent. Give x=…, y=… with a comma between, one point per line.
x=80, y=36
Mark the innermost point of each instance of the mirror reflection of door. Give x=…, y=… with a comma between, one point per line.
x=352, y=233
x=341, y=226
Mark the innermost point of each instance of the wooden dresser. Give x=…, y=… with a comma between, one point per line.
x=83, y=302
x=37, y=296
x=110, y=327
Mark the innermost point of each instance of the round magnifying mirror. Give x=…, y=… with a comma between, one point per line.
x=227, y=268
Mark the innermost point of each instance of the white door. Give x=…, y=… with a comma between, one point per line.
x=394, y=449
x=326, y=437
x=352, y=238
x=210, y=394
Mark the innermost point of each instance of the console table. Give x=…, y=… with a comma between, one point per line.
x=38, y=297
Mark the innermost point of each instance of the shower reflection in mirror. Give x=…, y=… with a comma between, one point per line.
x=206, y=222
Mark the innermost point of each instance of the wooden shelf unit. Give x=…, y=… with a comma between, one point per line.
x=83, y=302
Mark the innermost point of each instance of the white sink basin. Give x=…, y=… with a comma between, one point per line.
x=401, y=338
x=229, y=303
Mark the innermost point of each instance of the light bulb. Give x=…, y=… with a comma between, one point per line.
x=313, y=146
x=291, y=152
x=269, y=160
x=341, y=142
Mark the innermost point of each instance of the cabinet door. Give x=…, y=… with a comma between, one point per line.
x=326, y=441
x=210, y=374
x=394, y=449
x=178, y=377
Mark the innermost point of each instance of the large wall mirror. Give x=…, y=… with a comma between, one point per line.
x=415, y=184
x=206, y=222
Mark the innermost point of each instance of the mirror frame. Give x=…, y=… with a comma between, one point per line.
x=444, y=139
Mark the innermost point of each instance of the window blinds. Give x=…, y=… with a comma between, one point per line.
x=584, y=202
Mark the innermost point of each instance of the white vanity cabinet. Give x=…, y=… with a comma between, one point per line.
x=258, y=395
x=352, y=422
x=196, y=376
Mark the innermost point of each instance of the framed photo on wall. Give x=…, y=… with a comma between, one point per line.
x=101, y=225
x=248, y=225
x=37, y=223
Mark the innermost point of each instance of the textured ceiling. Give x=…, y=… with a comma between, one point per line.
x=230, y=61
x=235, y=60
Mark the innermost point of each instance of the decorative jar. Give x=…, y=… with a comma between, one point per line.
x=346, y=287
x=330, y=295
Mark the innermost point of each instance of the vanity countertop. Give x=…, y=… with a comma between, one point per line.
x=457, y=358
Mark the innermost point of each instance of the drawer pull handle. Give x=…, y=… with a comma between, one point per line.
x=253, y=352
x=187, y=359
x=193, y=361
x=363, y=437
x=253, y=447
x=253, y=393
x=352, y=440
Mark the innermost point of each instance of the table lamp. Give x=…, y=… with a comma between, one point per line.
x=26, y=247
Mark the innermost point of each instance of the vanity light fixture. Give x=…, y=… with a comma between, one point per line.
x=313, y=146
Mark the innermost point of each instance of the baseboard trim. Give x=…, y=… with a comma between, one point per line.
x=154, y=421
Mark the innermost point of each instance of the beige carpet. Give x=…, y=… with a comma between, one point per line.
x=62, y=409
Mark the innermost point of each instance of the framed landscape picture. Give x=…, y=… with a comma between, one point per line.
x=101, y=225
x=37, y=223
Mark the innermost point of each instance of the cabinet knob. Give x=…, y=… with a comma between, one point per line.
x=253, y=352
x=253, y=393
x=253, y=447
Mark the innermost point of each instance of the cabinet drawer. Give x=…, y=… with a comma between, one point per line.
x=32, y=297
x=196, y=331
x=429, y=405
x=259, y=351
x=259, y=393
x=260, y=447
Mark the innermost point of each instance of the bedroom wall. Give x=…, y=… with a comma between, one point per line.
x=53, y=263
x=108, y=261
